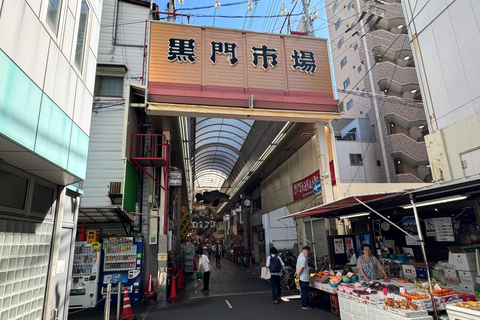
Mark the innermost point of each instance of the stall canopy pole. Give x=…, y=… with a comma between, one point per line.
x=388, y=220
x=313, y=243
x=422, y=245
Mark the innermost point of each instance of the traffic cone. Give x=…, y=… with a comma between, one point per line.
x=173, y=288
x=149, y=284
x=82, y=236
x=250, y=265
x=127, y=313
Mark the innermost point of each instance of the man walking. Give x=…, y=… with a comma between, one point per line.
x=204, y=262
x=218, y=253
x=303, y=274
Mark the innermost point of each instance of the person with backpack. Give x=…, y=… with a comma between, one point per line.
x=218, y=253
x=275, y=264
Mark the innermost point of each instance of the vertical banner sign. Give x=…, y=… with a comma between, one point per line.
x=303, y=188
x=338, y=244
x=185, y=222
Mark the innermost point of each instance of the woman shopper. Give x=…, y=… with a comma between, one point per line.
x=368, y=265
x=275, y=264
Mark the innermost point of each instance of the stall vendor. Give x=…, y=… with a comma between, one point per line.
x=368, y=265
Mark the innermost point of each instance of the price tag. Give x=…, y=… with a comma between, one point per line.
x=369, y=290
x=339, y=274
x=437, y=287
x=350, y=274
x=425, y=284
x=403, y=290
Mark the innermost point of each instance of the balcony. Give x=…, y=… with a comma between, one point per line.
x=407, y=116
x=408, y=150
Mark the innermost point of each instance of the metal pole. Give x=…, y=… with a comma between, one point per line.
x=422, y=245
x=108, y=300
x=313, y=243
x=119, y=298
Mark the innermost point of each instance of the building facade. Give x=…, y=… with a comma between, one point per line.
x=376, y=79
x=443, y=35
x=48, y=56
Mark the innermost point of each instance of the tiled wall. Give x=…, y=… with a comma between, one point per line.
x=24, y=255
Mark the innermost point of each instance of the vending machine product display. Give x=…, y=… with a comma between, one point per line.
x=122, y=263
x=86, y=267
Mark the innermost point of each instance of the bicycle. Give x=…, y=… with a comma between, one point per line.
x=287, y=278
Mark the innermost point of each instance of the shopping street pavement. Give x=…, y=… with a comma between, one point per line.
x=235, y=293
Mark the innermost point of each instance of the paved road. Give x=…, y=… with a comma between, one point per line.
x=234, y=294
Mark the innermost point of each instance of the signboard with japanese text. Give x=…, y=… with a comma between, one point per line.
x=194, y=65
x=303, y=188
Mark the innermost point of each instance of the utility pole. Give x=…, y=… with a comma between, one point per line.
x=171, y=10
x=308, y=26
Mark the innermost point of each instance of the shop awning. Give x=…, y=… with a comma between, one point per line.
x=334, y=207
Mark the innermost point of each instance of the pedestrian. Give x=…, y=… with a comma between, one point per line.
x=218, y=253
x=205, y=263
x=275, y=263
x=303, y=274
x=209, y=248
x=368, y=265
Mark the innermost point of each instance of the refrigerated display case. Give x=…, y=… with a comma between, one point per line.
x=122, y=263
x=85, y=275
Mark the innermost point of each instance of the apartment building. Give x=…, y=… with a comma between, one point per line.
x=375, y=79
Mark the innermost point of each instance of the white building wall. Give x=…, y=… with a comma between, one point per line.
x=369, y=172
x=447, y=37
x=105, y=162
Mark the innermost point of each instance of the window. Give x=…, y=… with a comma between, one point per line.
x=355, y=47
x=81, y=35
x=363, y=92
x=343, y=62
x=350, y=104
x=109, y=86
x=352, y=25
x=378, y=163
x=356, y=159
x=13, y=190
x=338, y=23
x=340, y=42
x=53, y=14
x=349, y=5
x=367, y=115
x=346, y=83
x=359, y=69
x=335, y=5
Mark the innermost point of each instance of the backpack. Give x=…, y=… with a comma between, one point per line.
x=275, y=265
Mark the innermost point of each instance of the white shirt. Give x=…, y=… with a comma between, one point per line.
x=204, y=262
x=268, y=263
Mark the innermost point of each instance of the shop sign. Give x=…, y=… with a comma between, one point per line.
x=175, y=179
x=303, y=188
x=228, y=68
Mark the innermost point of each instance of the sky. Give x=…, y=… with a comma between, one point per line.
x=265, y=15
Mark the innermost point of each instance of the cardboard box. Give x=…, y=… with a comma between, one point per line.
x=468, y=288
x=451, y=273
x=467, y=297
x=409, y=271
x=467, y=277
x=454, y=287
x=463, y=261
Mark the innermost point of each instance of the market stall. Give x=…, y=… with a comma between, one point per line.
x=429, y=234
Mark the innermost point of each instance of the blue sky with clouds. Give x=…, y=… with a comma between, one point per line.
x=265, y=15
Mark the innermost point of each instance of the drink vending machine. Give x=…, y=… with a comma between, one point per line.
x=86, y=267
x=122, y=263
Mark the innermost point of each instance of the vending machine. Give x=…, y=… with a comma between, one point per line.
x=85, y=275
x=122, y=263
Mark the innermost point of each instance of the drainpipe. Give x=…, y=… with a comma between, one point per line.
x=115, y=18
x=335, y=162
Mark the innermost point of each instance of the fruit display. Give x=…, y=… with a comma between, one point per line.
x=391, y=288
x=391, y=303
x=469, y=305
x=415, y=296
x=443, y=292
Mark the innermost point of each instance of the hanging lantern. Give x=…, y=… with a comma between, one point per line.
x=284, y=11
x=180, y=2
x=217, y=4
